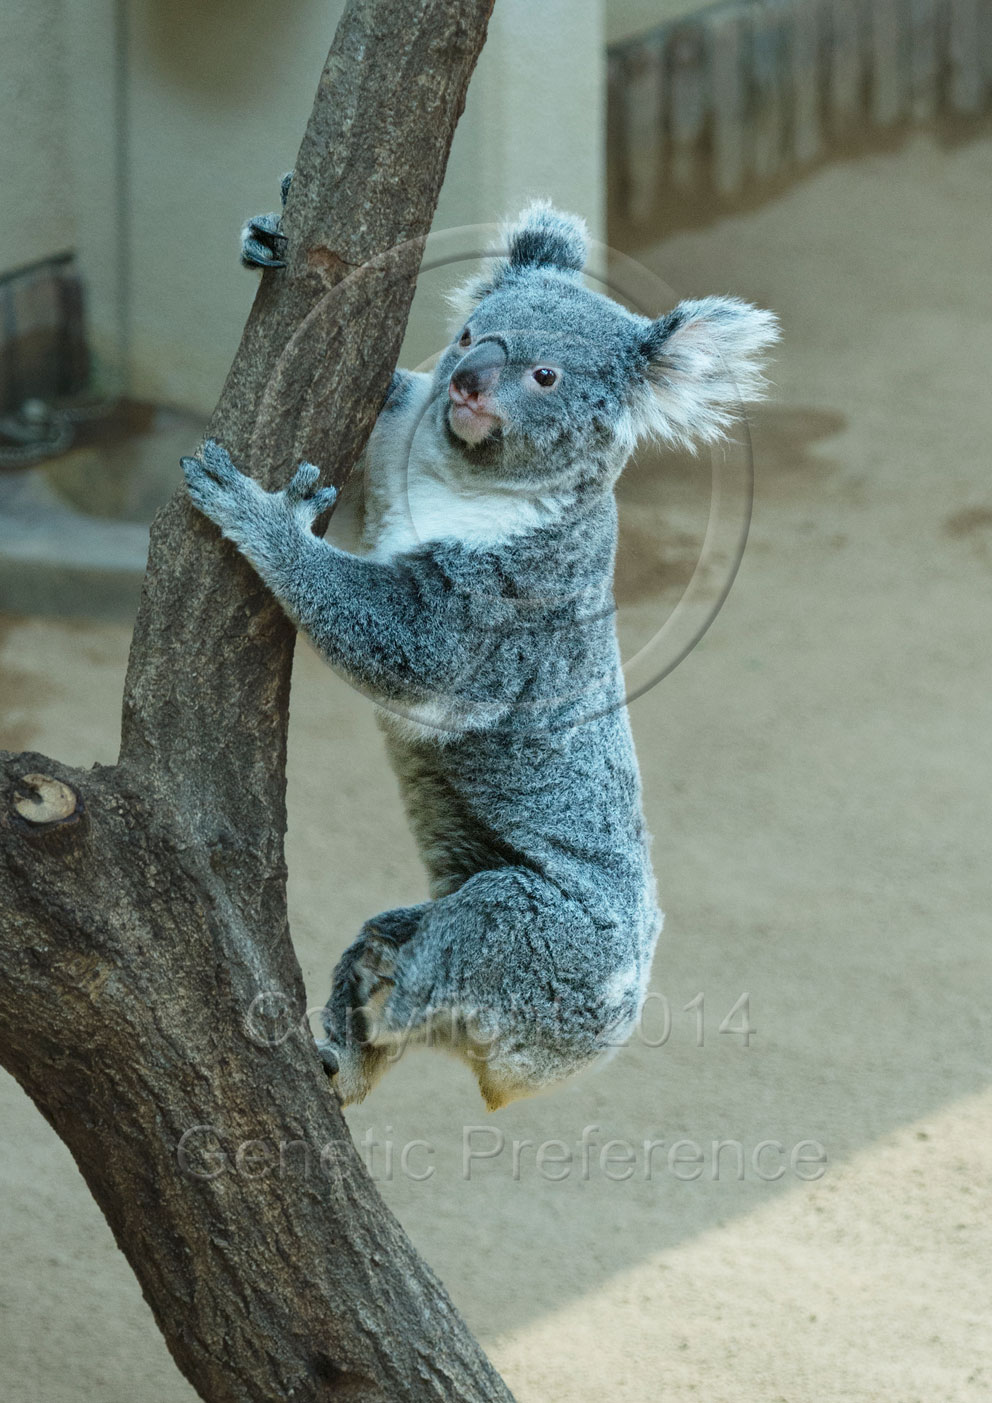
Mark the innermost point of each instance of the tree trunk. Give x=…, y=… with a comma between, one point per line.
x=144, y=909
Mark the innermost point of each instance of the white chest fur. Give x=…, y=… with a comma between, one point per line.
x=418, y=489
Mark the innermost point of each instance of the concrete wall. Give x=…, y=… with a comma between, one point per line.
x=218, y=96
x=178, y=120
x=625, y=18
x=36, y=209
x=534, y=125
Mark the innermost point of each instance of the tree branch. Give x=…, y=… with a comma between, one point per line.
x=144, y=905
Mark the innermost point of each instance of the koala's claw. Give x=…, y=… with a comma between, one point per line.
x=198, y=483
x=217, y=461
x=202, y=480
x=329, y=1058
x=263, y=243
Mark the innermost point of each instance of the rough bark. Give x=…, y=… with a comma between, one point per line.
x=144, y=905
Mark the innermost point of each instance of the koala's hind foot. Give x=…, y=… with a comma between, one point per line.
x=263, y=244
x=450, y=974
x=355, y=1054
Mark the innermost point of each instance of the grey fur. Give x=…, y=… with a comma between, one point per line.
x=481, y=621
x=262, y=241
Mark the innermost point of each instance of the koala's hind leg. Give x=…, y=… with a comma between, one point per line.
x=516, y=978
x=353, y=1052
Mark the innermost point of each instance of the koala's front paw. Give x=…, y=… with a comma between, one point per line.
x=248, y=515
x=263, y=244
x=218, y=489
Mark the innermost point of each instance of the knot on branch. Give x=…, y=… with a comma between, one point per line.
x=41, y=799
x=45, y=802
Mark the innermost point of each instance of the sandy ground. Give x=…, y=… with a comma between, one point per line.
x=817, y=777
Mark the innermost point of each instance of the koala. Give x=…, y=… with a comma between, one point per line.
x=478, y=615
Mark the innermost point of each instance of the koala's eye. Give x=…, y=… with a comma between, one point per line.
x=545, y=377
x=466, y=338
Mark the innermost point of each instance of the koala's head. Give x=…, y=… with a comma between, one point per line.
x=548, y=383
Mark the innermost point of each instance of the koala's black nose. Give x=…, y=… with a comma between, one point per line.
x=477, y=372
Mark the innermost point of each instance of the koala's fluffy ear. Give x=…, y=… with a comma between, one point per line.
x=699, y=363
x=542, y=237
